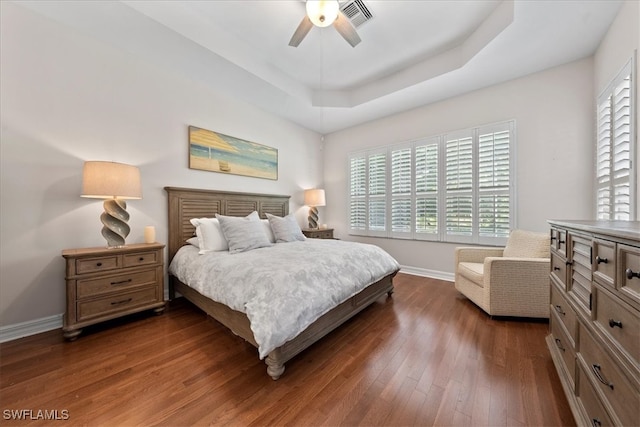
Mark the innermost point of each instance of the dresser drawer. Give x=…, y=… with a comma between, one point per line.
x=141, y=258
x=92, y=265
x=91, y=287
x=564, y=345
x=619, y=322
x=559, y=269
x=629, y=264
x=591, y=405
x=116, y=303
x=604, y=262
x=564, y=311
x=623, y=397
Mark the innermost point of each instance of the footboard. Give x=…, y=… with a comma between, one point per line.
x=239, y=324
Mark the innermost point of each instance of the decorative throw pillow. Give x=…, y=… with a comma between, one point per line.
x=285, y=229
x=243, y=234
x=209, y=234
x=527, y=244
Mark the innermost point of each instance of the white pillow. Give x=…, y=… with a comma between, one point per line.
x=210, y=237
x=194, y=242
x=243, y=234
x=285, y=229
x=268, y=231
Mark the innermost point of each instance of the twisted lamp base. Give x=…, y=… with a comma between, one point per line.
x=114, y=220
x=313, y=217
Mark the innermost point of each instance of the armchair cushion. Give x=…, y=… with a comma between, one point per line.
x=473, y=271
x=527, y=244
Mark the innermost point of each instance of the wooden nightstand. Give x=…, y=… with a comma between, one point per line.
x=104, y=283
x=318, y=233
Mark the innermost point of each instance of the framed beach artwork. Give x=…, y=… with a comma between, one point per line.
x=217, y=152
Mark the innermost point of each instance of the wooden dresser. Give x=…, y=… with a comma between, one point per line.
x=595, y=319
x=105, y=283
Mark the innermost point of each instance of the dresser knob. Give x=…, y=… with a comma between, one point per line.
x=631, y=274
x=99, y=264
x=559, y=310
x=614, y=323
x=559, y=344
x=601, y=260
x=595, y=422
x=141, y=259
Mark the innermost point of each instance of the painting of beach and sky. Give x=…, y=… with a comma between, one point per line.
x=216, y=152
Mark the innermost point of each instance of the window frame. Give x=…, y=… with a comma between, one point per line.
x=441, y=193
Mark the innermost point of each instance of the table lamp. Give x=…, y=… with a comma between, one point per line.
x=314, y=198
x=114, y=182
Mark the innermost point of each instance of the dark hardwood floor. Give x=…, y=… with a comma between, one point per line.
x=427, y=356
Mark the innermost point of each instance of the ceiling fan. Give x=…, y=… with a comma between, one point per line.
x=323, y=13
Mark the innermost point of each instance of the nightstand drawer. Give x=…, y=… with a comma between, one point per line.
x=87, y=288
x=120, y=302
x=142, y=258
x=92, y=265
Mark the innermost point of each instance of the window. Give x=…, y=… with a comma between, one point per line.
x=615, y=185
x=456, y=187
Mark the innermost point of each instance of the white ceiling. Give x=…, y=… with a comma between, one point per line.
x=412, y=52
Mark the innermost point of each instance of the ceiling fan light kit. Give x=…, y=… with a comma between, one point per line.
x=323, y=13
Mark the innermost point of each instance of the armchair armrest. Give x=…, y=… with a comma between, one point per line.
x=476, y=253
x=518, y=286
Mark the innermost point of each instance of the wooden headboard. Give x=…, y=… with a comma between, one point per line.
x=187, y=203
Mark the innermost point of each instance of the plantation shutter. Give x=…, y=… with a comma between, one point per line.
x=377, y=178
x=459, y=188
x=357, y=193
x=614, y=150
x=426, y=179
x=494, y=182
x=401, y=191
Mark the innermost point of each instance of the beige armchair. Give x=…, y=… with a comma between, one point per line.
x=509, y=281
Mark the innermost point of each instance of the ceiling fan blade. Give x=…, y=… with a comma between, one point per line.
x=346, y=30
x=301, y=31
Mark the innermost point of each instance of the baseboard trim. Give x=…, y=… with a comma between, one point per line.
x=423, y=272
x=32, y=327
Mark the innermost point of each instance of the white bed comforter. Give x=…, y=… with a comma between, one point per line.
x=286, y=287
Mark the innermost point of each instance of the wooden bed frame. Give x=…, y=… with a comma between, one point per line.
x=186, y=203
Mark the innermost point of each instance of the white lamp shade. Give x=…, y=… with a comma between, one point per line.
x=314, y=197
x=106, y=180
x=322, y=12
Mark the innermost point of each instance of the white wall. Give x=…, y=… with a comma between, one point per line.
x=554, y=143
x=67, y=98
x=622, y=39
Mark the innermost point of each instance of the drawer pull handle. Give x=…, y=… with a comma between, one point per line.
x=559, y=310
x=99, y=264
x=559, y=344
x=553, y=238
x=614, y=323
x=124, y=301
x=595, y=422
x=631, y=274
x=601, y=260
x=562, y=242
x=141, y=259
x=556, y=268
x=569, y=263
x=122, y=282
x=597, y=372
